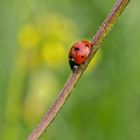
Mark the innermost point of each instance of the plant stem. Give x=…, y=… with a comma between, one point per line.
x=75, y=76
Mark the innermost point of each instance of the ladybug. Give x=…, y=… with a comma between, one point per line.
x=79, y=53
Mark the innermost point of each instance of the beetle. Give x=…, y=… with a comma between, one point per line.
x=78, y=53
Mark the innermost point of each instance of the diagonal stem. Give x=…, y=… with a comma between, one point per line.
x=75, y=76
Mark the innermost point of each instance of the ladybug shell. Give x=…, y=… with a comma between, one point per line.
x=79, y=53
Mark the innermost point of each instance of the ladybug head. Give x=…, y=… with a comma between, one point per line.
x=73, y=65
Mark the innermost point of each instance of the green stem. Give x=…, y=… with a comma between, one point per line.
x=74, y=77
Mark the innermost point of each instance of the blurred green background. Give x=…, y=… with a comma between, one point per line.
x=35, y=37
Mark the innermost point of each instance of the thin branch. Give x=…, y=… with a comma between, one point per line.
x=75, y=76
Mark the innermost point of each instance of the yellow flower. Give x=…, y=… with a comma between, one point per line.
x=54, y=54
x=28, y=36
x=47, y=37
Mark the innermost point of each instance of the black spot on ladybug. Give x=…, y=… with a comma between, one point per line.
x=71, y=57
x=77, y=49
x=82, y=56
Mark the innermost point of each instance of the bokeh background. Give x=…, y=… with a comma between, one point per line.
x=35, y=37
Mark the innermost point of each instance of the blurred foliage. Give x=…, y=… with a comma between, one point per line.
x=35, y=37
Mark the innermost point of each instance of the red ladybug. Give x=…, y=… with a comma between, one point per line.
x=79, y=53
